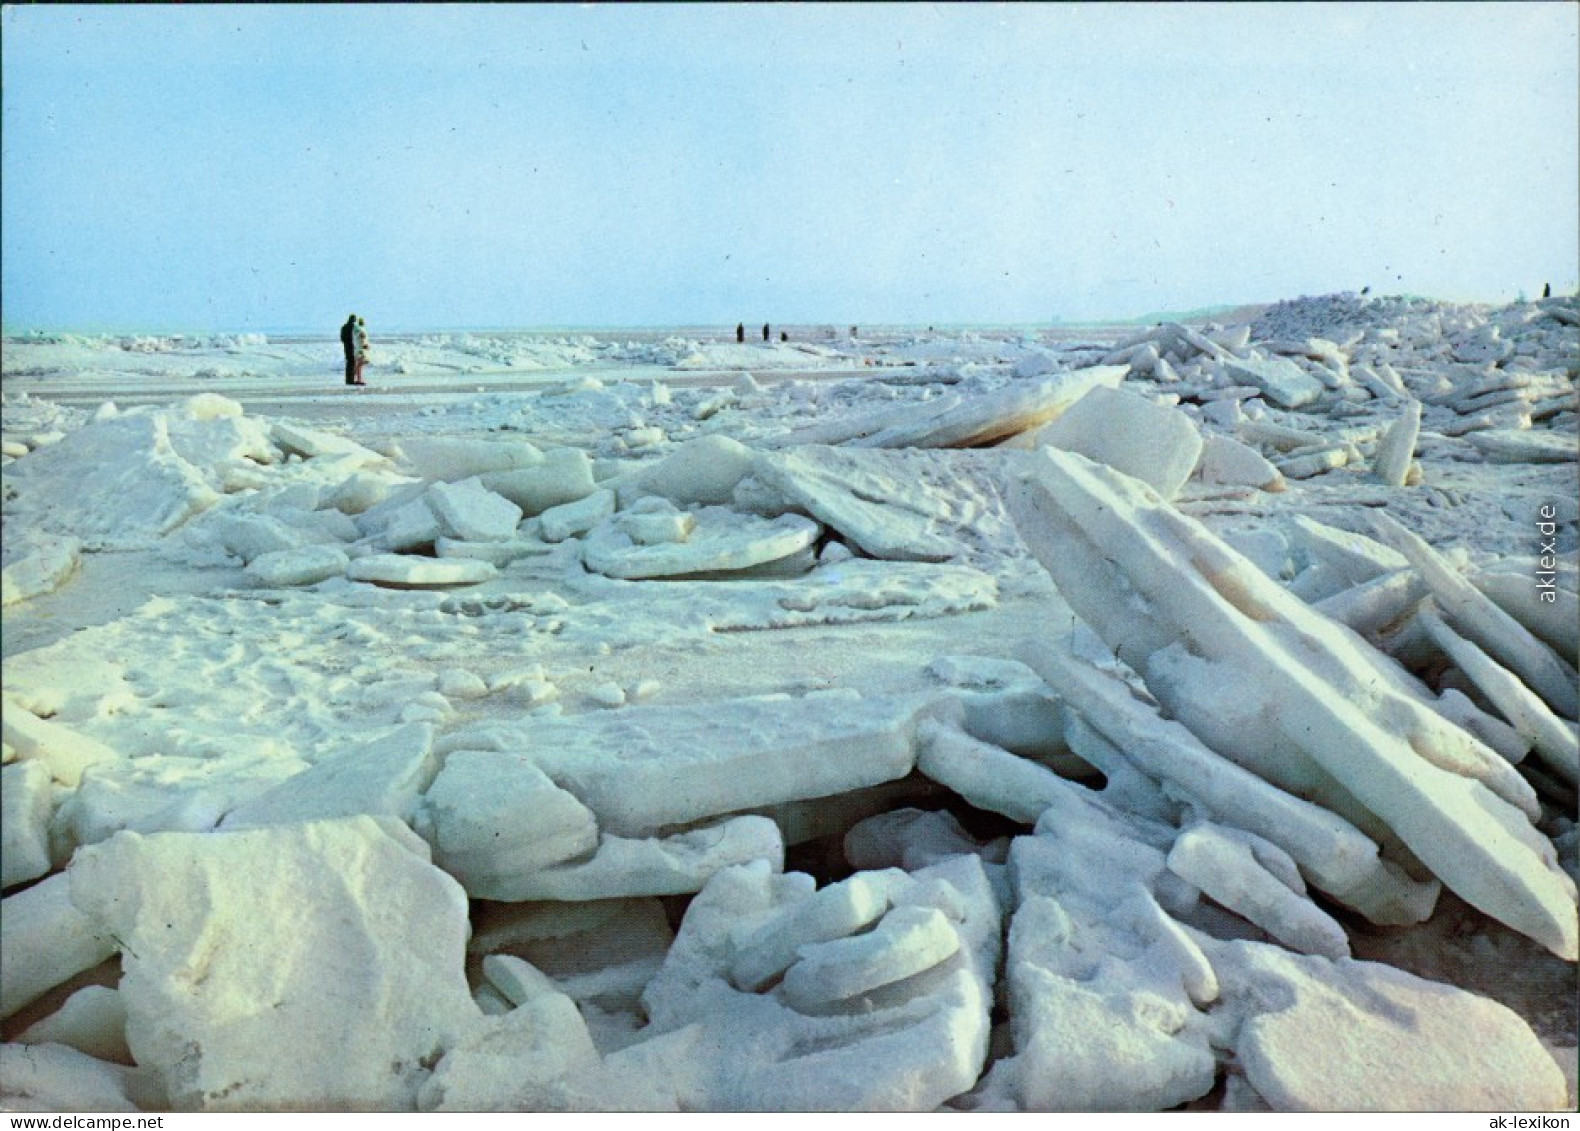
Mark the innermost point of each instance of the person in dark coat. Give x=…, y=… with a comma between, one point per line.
x=348, y=342
x=359, y=337
x=765, y=331
x=740, y=331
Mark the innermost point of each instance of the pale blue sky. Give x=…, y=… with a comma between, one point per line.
x=273, y=167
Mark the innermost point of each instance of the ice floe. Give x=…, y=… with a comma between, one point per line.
x=974, y=721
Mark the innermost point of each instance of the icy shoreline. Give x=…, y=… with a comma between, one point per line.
x=664, y=723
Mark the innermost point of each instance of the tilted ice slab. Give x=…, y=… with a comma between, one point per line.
x=1281, y=380
x=913, y=1041
x=853, y=426
x=92, y=1020
x=837, y=911
x=1552, y=738
x=156, y=793
x=991, y=416
x=306, y=566
x=311, y=443
x=722, y=539
x=1255, y=879
x=402, y=520
x=538, y=1054
x=640, y=769
x=1295, y=697
x=314, y=966
x=564, y=476
x=1332, y=853
x=1480, y=619
x=63, y=750
x=570, y=519
x=1552, y=614
x=1397, y=447
x=901, y=506
x=444, y=459
x=1351, y=559
x=1246, y=873
x=907, y=941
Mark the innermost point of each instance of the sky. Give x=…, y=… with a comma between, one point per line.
x=273, y=167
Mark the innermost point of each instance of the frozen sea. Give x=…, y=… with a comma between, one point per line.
x=640, y=719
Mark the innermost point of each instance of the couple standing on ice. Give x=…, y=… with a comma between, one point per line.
x=354, y=339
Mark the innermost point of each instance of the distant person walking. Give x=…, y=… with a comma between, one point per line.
x=765, y=331
x=1547, y=290
x=740, y=331
x=348, y=343
x=360, y=339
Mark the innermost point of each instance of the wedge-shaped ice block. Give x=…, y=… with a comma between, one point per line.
x=315, y=966
x=1156, y=443
x=495, y=817
x=42, y=568
x=470, y=512
x=383, y=777
x=92, y=1021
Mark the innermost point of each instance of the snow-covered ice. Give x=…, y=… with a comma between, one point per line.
x=1179, y=716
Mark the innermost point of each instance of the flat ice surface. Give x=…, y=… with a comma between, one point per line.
x=634, y=721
